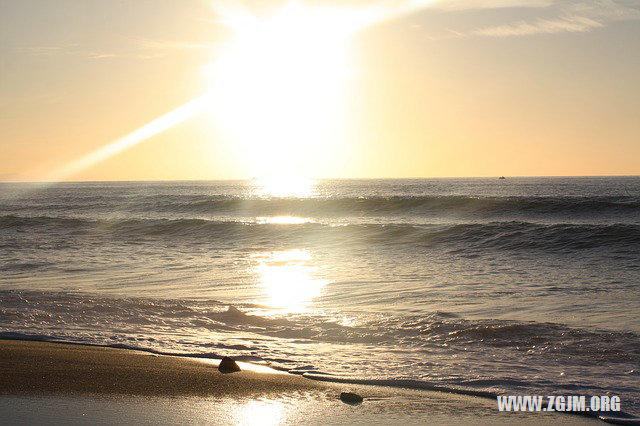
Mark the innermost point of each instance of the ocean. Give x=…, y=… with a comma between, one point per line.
x=518, y=286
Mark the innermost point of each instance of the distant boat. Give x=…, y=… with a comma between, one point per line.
x=502, y=177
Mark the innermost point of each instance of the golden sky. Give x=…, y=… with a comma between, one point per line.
x=320, y=89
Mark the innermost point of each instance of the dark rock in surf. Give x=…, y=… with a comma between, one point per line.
x=351, y=398
x=228, y=365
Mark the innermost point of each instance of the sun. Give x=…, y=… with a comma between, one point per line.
x=279, y=88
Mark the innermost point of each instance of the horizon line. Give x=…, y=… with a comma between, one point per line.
x=318, y=179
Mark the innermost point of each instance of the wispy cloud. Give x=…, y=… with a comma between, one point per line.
x=455, y=5
x=131, y=48
x=168, y=45
x=51, y=50
x=99, y=55
x=420, y=4
x=572, y=24
x=546, y=16
x=573, y=18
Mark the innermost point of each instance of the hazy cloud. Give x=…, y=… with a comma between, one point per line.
x=168, y=45
x=572, y=24
x=136, y=48
x=454, y=5
x=576, y=17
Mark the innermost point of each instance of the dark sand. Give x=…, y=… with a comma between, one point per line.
x=53, y=383
x=31, y=368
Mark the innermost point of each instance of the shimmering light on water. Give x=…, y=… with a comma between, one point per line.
x=283, y=220
x=463, y=282
x=288, y=279
x=285, y=187
x=261, y=412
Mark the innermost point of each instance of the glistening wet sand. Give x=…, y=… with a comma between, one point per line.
x=65, y=383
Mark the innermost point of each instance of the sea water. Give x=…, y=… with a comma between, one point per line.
x=518, y=285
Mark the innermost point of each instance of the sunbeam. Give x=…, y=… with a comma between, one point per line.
x=311, y=22
x=159, y=125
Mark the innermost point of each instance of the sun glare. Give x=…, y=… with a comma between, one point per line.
x=287, y=279
x=285, y=186
x=279, y=89
x=283, y=220
x=259, y=412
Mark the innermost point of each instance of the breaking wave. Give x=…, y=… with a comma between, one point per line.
x=422, y=351
x=458, y=237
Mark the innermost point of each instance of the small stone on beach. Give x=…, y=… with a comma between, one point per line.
x=228, y=365
x=351, y=398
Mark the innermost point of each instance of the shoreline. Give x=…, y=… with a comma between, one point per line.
x=43, y=379
x=42, y=368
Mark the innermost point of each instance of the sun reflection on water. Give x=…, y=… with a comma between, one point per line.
x=288, y=279
x=283, y=220
x=284, y=187
x=260, y=413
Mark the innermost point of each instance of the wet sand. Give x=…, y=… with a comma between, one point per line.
x=46, y=383
x=39, y=368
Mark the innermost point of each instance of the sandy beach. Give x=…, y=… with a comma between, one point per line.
x=45, y=383
x=37, y=368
